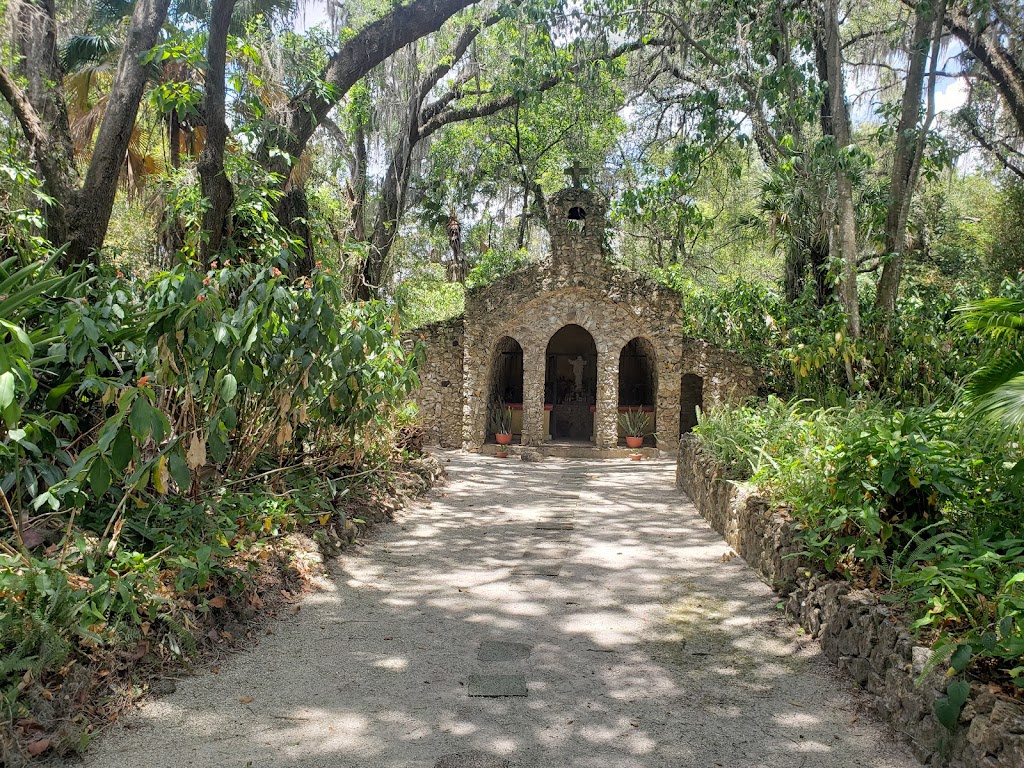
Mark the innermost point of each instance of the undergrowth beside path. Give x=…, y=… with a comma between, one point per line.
x=82, y=641
x=921, y=505
x=160, y=440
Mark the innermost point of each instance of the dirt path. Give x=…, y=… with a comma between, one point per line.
x=592, y=587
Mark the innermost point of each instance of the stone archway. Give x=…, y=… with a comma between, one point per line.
x=691, y=397
x=570, y=383
x=638, y=381
x=506, y=379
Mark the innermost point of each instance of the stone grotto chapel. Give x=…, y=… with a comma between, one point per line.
x=568, y=344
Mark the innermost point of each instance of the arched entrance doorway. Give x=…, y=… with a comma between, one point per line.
x=506, y=382
x=691, y=397
x=570, y=383
x=638, y=382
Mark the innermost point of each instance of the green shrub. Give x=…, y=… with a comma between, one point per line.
x=920, y=501
x=803, y=350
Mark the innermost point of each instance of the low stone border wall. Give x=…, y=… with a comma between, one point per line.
x=856, y=631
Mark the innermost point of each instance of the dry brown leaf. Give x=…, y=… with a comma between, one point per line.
x=37, y=747
x=162, y=476
x=284, y=435
x=196, y=456
x=246, y=700
x=219, y=601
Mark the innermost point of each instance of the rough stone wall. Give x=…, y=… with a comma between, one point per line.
x=577, y=242
x=857, y=632
x=578, y=286
x=613, y=305
x=439, y=396
x=727, y=378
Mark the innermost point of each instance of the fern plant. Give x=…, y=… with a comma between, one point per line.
x=36, y=627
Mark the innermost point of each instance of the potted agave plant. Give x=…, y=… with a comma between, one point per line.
x=501, y=422
x=635, y=425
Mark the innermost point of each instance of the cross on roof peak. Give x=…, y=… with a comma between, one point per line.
x=576, y=171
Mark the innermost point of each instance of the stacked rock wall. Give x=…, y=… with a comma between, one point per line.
x=439, y=397
x=857, y=632
x=727, y=378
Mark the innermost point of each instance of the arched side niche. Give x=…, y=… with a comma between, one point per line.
x=691, y=397
x=570, y=383
x=638, y=381
x=577, y=219
x=506, y=380
x=638, y=374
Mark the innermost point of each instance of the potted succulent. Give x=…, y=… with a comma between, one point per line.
x=501, y=422
x=502, y=452
x=634, y=424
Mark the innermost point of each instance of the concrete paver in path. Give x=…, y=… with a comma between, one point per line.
x=647, y=650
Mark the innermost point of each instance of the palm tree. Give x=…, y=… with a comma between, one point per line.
x=90, y=58
x=997, y=388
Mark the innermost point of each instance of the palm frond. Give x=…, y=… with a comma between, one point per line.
x=1004, y=368
x=79, y=86
x=996, y=318
x=997, y=389
x=1005, y=403
x=83, y=50
x=108, y=12
x=280, y=9
x=84, y=125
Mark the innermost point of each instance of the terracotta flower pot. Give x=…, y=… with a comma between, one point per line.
x=501, y=454
x=634, y=441
x=636, y=456
x=503, y=438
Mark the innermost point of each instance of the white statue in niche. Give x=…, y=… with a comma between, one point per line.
x=578, y=364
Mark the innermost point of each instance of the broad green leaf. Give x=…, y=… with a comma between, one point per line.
x=961, y=658
x=99, y=476
x=228, y=388
x=180, y=471
x=6, y=389
x=123, y=449
x=141, y=419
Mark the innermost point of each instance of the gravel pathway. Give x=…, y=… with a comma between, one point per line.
x=594, y=588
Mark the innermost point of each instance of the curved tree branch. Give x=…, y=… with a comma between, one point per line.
x=368, y=48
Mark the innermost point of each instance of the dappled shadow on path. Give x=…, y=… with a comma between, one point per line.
x=647, y=648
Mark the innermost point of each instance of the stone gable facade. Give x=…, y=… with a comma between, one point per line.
x=570, y=344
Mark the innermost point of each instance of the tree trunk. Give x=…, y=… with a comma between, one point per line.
x=903, y=178
x=795, y=273
x=96, y=201
x=393, y=192
x=296, y=219
x=52, y=148
x=174, y=139
x=836, y=122
x=359, y=184
x=457, y=269
x=524, y=220
x=216, y=185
